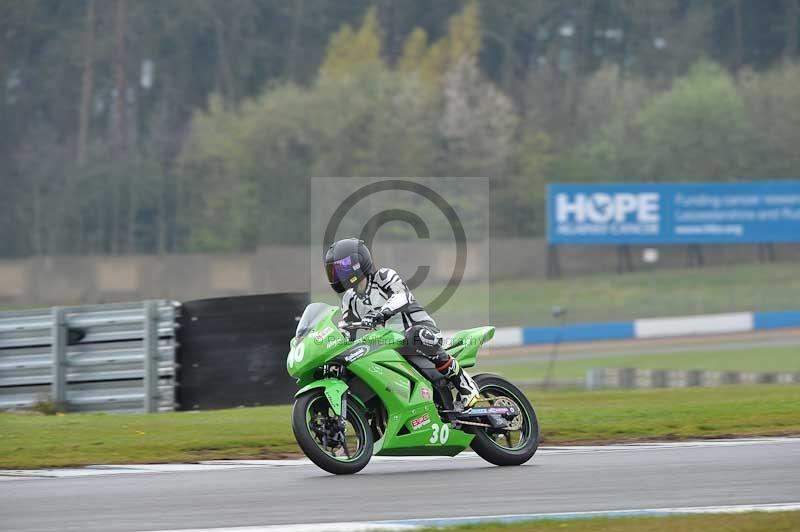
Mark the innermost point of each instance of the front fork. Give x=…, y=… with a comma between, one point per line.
x=343, y=415
x=335, y=392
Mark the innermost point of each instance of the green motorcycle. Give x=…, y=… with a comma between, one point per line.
x=362, y=398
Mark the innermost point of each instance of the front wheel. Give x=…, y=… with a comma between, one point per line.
x=516, y=443
x=339, y=446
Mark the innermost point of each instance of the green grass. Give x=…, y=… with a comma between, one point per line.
x=78, y=439
x=762, y=359
x=674, y=292
x=29, y=441
x=610, y=297
x=667, y=414
x=749, y=522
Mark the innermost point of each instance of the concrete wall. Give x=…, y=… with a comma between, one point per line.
x=97, y=279
x=528, y=257
x=90, y=279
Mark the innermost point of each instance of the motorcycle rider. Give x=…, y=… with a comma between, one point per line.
x=372, y=296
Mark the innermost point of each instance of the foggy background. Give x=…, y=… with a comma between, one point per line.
x=165, y=149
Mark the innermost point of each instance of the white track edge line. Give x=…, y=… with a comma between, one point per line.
x=217, y=465
x=414, y=524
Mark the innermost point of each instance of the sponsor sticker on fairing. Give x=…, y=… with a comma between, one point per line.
x=425, y=393
x=356, y=353
x=420, y=422
x=334, y=342
x=319, y=336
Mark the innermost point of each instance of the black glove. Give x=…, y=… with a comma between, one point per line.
x=374, y=318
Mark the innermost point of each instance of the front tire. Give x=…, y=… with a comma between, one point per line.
x=313, y=423
x=497, y=446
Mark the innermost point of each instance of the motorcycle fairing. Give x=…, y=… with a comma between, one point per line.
x=413, y=424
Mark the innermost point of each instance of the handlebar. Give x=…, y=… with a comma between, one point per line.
x=353, y=326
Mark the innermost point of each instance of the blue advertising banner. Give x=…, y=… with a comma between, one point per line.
x=677, y=213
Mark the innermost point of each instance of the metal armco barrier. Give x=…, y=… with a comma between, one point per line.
x=598, y=378
x=116, y=357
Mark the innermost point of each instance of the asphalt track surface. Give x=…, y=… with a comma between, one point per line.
x=557, y=480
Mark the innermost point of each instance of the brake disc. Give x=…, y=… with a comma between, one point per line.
x=515, y=423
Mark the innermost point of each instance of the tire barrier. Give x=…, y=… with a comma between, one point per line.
x=599, y=378
x=233, y=350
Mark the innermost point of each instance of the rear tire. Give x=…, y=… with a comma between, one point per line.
x=486, y=445
x=311, y=445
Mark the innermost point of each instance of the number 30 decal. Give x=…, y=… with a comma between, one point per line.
x=439, y=435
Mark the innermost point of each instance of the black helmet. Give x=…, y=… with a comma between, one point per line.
x=346, y=263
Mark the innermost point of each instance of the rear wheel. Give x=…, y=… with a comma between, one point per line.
x=516, y=443
x=339, y=446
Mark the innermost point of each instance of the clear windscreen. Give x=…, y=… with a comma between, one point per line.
x=311, y=316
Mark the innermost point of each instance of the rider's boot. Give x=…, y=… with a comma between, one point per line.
x=467, y=389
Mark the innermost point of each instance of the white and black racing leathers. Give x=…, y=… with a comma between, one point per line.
x=388, y=294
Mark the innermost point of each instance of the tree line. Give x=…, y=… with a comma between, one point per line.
x=152, y=126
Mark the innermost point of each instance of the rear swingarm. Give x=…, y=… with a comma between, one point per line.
x=498, y=416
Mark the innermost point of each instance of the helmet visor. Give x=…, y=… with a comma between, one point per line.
x=340, y=271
